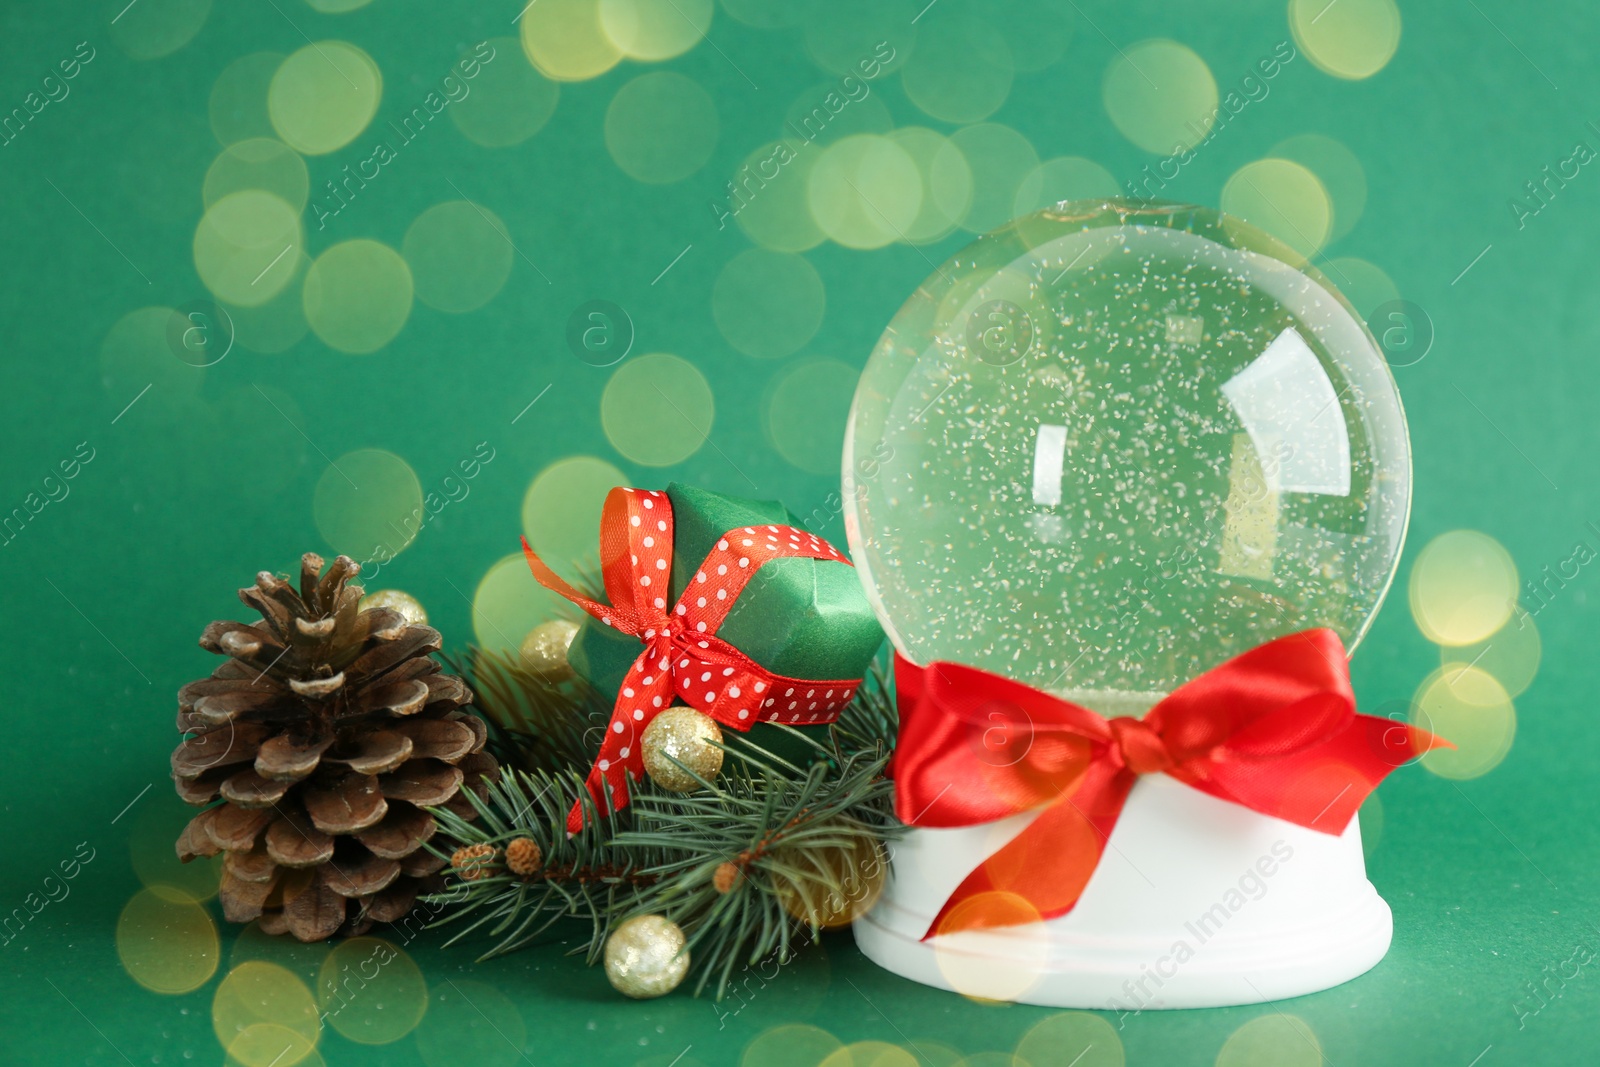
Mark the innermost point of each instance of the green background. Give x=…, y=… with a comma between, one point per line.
x=191, y=491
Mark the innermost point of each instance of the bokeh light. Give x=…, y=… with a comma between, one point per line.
x=368, y=505
x=1339, y=171
x=1161, y=96
x=657, y=410
x=167, y=945
x=135, y=354
x=277, y=324
x=842, y=35
x=509, y=101
x=1467, y=707
x=1275, y=1040
x=258, y=163
x=769, y=197
x=661, y=127
x=471, y=1023
x=864, y=191
x=155, y=826
x=238, y=102
x=371, y=991
x=509, y=602
x=358, y=296
x=1063, y=178
x=768, y=304
x=561, y=509
x=1001, y=160
x=828, y=111
x=806, y=411
x=1350, y=39
x=1283, y=198
x=982, y=975
x=840, y=883
x=459, y=254
x=1363, y=283
x=1512, y=653
x=961, y=70
x=871, y=1054
x=1463, y=588
x=946, y=182
x=244, y=247
x=1074, y=1037
x=653, y=30
x=264, y=1015
x=791, y=1045
x=157, y=28
x=564, y=40
x=323, y=96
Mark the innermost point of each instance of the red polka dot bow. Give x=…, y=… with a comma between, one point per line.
x=683, y=658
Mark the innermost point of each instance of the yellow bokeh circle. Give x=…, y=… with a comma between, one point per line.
x=368, y=505
x=1001, y=160
x=238, y=102
x=1075, y=1037
x=871, y=1054
x=1275, y=1040
x=1363, y=283
x=1337, y=168
x=864, y=39
x=167, y=945
x=264, y=1015
x=258, y=163
x=278, y=324
x=1063, y=178
x=1512, y=653
x=864, y=191
x=561, y=509
x=509, y=602
x=1463, y=588
x=1350, y=39
x=661, y=127
x=1161, y=96
x=767, y=197
x=653, y=30
x=946, y=182
x=459, y=254
x=371, y=991
x=156, y=28
x=961, y=69
x=1466, y=706
x=358, y=296
x=657, y=410
x=1283, y=198
x=245, y=246
x=768, y=304
x=806, y=411
x=509, y=101
x=979, y=974
x=565, y=41
x=790, y=1045
x=323, y=96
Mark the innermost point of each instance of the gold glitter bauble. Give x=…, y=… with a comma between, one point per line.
x=645, y=957
x=688, y=736
x=395, y=600
x=544, y=650
x=841, y=883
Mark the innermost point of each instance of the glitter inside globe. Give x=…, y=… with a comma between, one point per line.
x=1113, y=444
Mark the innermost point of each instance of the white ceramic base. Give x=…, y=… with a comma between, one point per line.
x=1196, y=903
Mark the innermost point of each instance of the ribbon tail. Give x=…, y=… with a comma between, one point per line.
x=598, y=786
x=1041, y=873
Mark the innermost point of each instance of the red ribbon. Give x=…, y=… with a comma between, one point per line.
x=683, y=658
x=1274, y=730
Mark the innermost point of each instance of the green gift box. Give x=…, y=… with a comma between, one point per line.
x=803, y=618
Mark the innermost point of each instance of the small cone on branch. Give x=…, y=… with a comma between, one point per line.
x=325, y=734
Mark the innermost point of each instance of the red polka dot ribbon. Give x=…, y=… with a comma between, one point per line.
x=683, y=658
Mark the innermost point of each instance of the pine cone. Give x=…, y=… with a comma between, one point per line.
x=326, y=733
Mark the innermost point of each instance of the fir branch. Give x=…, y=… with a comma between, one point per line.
x=789, y=830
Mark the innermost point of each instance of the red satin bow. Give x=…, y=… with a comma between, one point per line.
x=1274, y=730
x=682, y=655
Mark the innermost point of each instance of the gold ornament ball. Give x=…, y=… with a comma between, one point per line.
x=841, y=883
x=685, y=735
x=395, y=600
x=645, y=957
x=544, y=650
